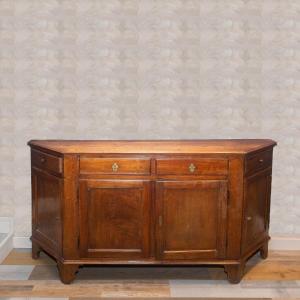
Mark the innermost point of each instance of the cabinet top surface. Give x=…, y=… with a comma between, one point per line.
x=228, y=146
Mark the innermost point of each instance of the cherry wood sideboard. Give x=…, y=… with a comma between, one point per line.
x=165, y=202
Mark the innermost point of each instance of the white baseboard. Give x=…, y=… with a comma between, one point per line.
x=284, y=243
x=276, y=243
x=22, y=242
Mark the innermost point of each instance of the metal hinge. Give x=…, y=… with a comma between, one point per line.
x=78, y=242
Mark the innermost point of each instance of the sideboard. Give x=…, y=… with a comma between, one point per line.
x=160, y=202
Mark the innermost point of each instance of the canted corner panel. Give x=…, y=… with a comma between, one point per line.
x=47, y=223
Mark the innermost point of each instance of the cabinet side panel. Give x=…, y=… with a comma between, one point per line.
x=70, y=207
x=235, y=208
x=46, y=211
x=257, y=206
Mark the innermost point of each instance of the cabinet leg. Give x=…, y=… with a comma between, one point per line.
x=235, y=272
x=263, y=251
x=35, y=250
x=67, y=272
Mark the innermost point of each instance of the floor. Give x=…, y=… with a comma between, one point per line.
x=23, y=278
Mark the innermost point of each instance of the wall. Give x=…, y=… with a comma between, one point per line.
x=83, y=69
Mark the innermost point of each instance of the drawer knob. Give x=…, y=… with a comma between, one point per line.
x=115, y=167
x=43, y=159
x=249, y=218
x=192, y=168
x=261, y=160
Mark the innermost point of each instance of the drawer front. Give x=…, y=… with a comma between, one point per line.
x=46, y=161
x=258, y=161
x=98, y=165
x=200, y=166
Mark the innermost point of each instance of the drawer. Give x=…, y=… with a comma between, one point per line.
x=96, y=165
x=46, y=161
x=258, y=161
x=200, y=166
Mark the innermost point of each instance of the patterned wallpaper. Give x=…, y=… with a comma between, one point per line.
x=93, y=69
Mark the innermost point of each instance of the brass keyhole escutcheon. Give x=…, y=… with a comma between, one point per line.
x=115, y=167
x=192, y=168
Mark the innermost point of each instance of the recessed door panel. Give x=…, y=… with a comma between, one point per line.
x=191, y=219
x=114, y=221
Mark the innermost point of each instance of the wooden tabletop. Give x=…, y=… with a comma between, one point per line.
x=228, y=146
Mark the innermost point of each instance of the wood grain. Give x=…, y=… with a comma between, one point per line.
x=151, y=202
x=155, y=146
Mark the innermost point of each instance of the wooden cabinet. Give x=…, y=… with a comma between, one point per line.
x=46, y=209
x=151, y=202
x=191, y=219
x=257, y=198
x=114, y=219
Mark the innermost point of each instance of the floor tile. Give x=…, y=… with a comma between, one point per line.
x=33, y=298
x=16, y=287
x=293, y=293
x=44, y=273
x=274, y=270
x=108, y=288
x=222, y=289
x=47, y=298
x=147, y=298
x=126, y=273
x=22, y=250
x=23, y=257
x=269, y=284
x=276, y=277
x=13, y=298
x=15, y=272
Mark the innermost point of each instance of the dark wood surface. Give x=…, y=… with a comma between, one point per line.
x=192, y=219
x=104, y=165
x=46, y=209
x=114, y=219
x=193, y=166
x=257, y=189
x=46, y=161
x=151, y=202
x=155, y=146
x=258, y=161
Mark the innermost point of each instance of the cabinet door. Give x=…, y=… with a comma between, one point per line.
x=46, y=209
x=257, y=209
x=191, y=219
x=114, y=219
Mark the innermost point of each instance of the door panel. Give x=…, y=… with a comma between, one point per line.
x=114, y=220
x=46, y=208
x=191, y=219
x=257, y=198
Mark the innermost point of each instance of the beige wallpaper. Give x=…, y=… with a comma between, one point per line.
x=89, y=69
